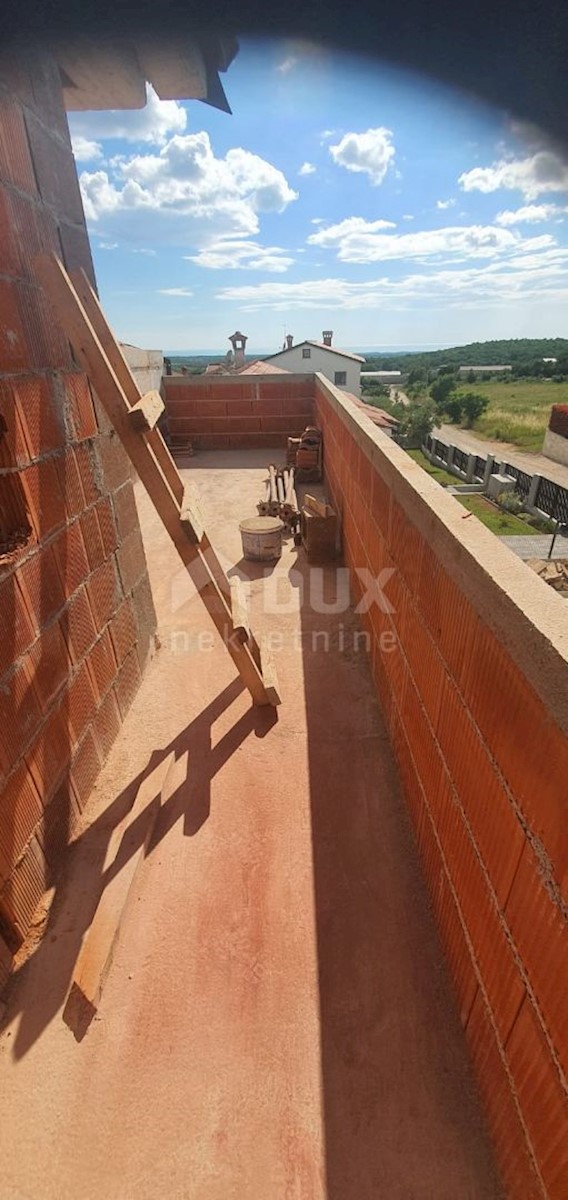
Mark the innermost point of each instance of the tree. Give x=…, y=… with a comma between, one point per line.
x=473, y=405
x=441, y=389
x=417, y=421
x=453, y=408
x=471, y=377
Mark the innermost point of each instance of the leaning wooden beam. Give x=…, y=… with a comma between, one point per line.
x=94, y=361
x=124, y=375
x=154, y=438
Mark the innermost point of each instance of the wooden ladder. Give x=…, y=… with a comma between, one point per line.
x=134, y=417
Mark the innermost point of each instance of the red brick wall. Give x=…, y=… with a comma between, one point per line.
x=225, y=413
x=483, y=759
x=75, y=611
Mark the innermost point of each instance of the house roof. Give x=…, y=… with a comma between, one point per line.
x=377, y=415
x=319, y=346
x=262, y=368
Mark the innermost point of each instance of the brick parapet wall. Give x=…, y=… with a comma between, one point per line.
x=474, y=695
x=241, y=412
x=76, y=615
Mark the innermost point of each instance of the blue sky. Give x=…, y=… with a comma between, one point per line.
x=340, y=194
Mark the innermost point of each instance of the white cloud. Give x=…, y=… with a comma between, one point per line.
x=533, y=278
x=85, y=150
x=307, y=168
x=445, y=203
x=184, y=194
x=360, y=241
x=231, y=254
x=107, y=246
x=408, y=217
x=144, y=250
x=531, y=213
x=326, y=134
x=154, y=123
x=174, y=292
x=542, y=172
x=371, y=152
x=288, y=64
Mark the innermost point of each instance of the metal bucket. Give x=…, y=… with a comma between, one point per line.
x=261, y=538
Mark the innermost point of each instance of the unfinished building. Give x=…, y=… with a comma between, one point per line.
x=341, y=967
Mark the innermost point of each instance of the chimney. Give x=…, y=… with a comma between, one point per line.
x=238, y=342
x=289, y=341
x=327, y=336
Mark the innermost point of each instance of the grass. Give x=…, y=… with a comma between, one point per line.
x=518, y=409
x=504, y=524
x=437, y=473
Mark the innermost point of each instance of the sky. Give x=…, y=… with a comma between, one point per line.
x=341, y=194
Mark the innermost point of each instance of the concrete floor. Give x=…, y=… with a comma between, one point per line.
x=277, y=1023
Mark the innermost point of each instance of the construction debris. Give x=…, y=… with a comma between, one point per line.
x=305, y=454
x=318, y=527
x=553, y=571
x=280, y=496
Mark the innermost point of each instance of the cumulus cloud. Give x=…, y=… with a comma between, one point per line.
x=525, y=277
x=370, y=153
x=184, y=194
x=530, y=213
x=154, y=123
x=85, y=149
x=231, y=254
x=445, y=203
x=360, y=241
x=307, y=168
x=534, y=176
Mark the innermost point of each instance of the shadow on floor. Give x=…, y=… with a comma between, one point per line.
x=38, y=987
x=400, y=1112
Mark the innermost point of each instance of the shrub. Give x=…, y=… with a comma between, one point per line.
x=473, y=405
x=510, y=502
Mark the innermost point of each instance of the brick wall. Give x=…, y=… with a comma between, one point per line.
x=474, y=694
x=76, y=615
x=558, y=422
x=229, y=413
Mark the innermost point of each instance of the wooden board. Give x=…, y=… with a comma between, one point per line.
x=146, y=413
x=269, y=672
x=191, y=516
x=239, y=608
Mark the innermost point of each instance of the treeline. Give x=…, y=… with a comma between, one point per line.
x=525, y=355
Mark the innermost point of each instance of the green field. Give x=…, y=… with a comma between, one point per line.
x=518, y=410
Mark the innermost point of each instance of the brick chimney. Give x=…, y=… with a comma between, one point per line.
x=238, y=342
x=327, y=336
x=289, y=341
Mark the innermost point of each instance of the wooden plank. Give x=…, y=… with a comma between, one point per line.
x=126, y=849
x=94, y=361
x=269, y=676
x=239, y=609
x=146, y=413
x=109, y=344
x=316, y=506
x=191, y=516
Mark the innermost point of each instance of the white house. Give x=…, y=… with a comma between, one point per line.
x=341, y=367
